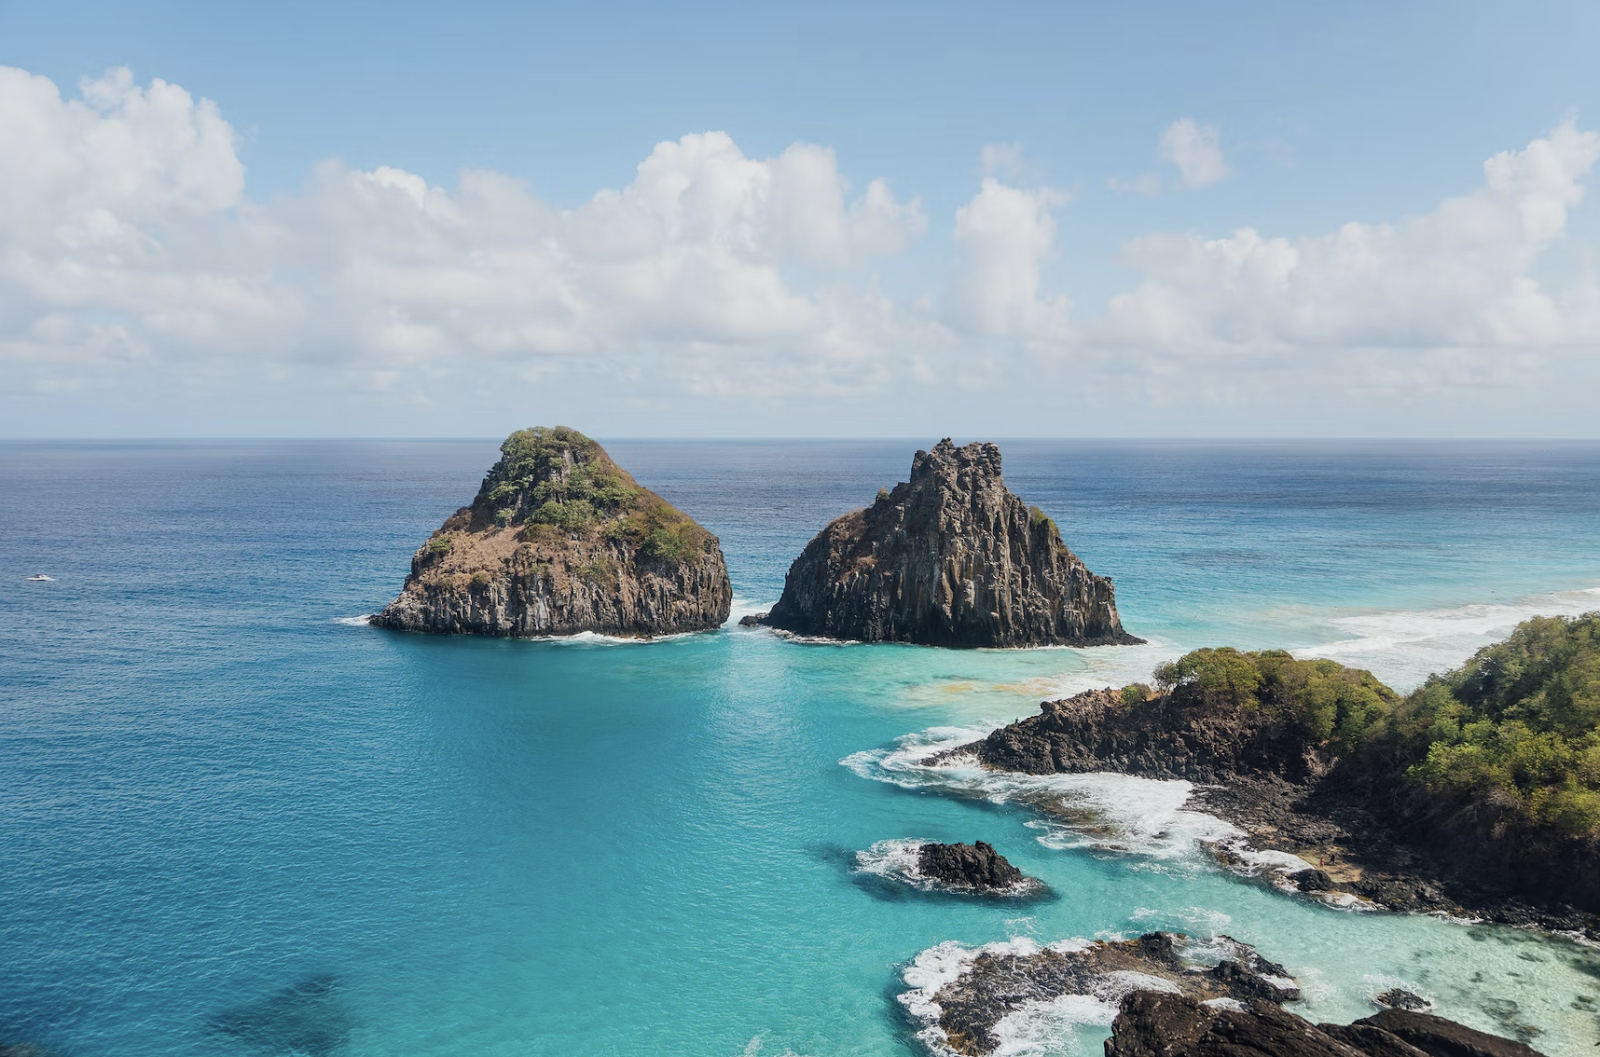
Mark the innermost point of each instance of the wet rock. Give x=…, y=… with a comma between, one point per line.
x=949, y=558
x=1152, y=1024
x=976, y=866
x=1399, y=998
x=998, y=983
x=1439, y=1037
x=752, y=620
x=1312, y=880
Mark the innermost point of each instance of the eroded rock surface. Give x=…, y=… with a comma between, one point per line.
x=949, y=558
x=1151, y=1024
x=562, y=540
x=1259, y=769
x=975, y=866
x=996, y=984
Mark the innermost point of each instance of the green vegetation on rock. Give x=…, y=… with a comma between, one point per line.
x=1326, y=700
x=1518, y=725
x=553, y=481
x=1521, y=720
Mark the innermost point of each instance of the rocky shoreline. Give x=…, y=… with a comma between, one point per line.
x=1174, y=996
x=1257, y=773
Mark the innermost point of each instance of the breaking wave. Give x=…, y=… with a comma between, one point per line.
x=1105, y=812
x=1403, y=647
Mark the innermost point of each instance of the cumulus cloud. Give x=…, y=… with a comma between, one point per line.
x=1196, y=151
x=131, y=253
x=1455, y=277
x=127, y=231
x=1002, y=238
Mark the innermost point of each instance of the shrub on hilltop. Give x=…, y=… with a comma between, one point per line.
x=1326, y=701
x=1517, y=726
x=1521, y=720
x=553, y=480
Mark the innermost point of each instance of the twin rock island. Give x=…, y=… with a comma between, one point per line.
x=561, y=540
x=1302, y=756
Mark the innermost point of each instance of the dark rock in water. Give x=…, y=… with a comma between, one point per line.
x=976, y=866
x=308, y=1018
x=1399, y=998
x=562, y=540
x=1439, y=1037
x=1153, y=1024
x=950, y=558
x=752, y=620
x=996, y=984
x=1312, y=880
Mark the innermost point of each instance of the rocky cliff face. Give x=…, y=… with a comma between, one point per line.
x=561, y=540
x=949, y=558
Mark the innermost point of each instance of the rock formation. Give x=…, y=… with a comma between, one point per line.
x=1153, y=1024
x=972, y=866
x=561, y=540
x=949, y=558
x=998, y=983
x=1278, y=749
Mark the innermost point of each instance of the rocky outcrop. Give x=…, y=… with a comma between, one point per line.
x=1152, y=1024
x=1259, y=768
x=562, y=540
x=949, y=558
x=1165, y=736
x=971, y=866
x=997, y=983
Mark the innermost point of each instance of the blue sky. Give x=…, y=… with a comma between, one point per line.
x=304, y=256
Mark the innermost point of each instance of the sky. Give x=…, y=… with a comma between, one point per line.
x=866, y=219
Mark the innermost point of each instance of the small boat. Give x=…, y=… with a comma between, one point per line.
x=41, y=576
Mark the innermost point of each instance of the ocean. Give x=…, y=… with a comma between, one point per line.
x=236, y=820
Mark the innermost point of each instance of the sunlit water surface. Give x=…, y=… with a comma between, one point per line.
x=235, y=821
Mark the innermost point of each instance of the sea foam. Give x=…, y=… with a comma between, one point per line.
x=1402, y=647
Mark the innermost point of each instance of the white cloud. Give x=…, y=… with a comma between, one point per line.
x=1002, y=237
x=1458, y=276
x=131, y=256
x=127, y=234
x=1196, y=150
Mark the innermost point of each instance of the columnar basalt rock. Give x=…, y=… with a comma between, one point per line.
x=949, y=558
x=562, y=540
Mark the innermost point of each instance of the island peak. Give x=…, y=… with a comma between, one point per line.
x=949, y=558
x=561, y=540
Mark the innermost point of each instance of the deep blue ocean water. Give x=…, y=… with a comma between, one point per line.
x=234, y=821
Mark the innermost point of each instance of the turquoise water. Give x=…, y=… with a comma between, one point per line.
x=219, y=787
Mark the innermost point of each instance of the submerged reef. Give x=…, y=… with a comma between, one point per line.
x=562, y=540
x=949, y=558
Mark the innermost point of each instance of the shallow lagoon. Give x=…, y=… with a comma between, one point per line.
x=236, y=824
